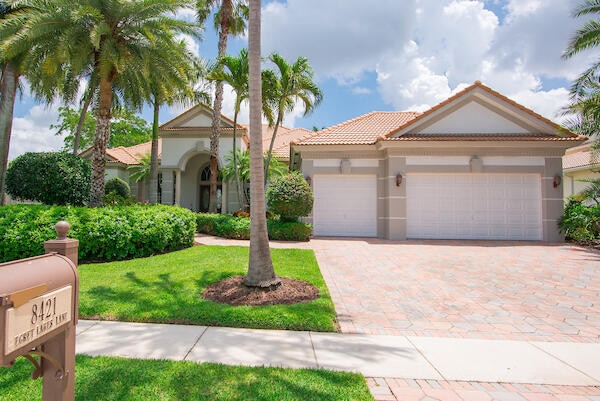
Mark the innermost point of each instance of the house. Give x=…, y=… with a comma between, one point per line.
x=476, y=166
x=580, y=163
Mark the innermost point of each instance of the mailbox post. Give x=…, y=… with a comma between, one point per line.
x=38, y=314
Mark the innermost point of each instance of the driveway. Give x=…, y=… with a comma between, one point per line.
x=465, y=289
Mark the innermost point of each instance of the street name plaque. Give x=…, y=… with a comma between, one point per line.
x=37, y=317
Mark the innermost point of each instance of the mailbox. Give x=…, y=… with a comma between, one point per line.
x=38, y=314
x=38, y=298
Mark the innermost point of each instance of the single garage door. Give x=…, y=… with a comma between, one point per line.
x=345, y=205
x=474, y=206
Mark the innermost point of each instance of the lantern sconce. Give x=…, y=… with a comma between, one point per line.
x=309, y=181
x=557, y=180
x=398, y=179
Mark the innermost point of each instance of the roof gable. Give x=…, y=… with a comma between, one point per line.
x=479, y=110
x=199, y=116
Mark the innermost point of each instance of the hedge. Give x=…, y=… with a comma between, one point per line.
x=104, y=234
x=228, y=226
x=581, y=223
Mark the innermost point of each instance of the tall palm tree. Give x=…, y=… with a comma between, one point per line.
x=230, y=18
x=234, y=73
x=260, y=266
x=293, y=82
x=585, y=38
x=106, y=37
x=12, y=69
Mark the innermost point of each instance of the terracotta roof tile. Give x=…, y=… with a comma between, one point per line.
x=581, y=157
x=362, y=130
x=131, y=155
x=481, y=137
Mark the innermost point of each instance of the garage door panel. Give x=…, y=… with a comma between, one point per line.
x=345, y=205
x=474, y=206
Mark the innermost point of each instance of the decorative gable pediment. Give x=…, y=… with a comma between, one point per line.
x=478, y=110
x=199, y=116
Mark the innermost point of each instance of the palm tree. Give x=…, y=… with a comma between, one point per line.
x=106, y=37
x=260, y=266
x=234, y=73
x=294, y=82
x=11, y=72
x=230, y=18
x=585, y=94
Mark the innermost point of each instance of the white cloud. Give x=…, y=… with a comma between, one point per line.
x=32, y=132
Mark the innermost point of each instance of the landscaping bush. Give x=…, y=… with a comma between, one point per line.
x=581, y=223
x=290, y=196
x=109, y=233
x=117, y=186
x=53, y=178
x=228, y=226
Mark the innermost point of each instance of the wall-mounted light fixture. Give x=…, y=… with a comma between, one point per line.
x=309, y=181
x=398, y=179
x=557, y=180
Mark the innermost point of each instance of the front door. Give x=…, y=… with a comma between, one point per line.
x=204, y=191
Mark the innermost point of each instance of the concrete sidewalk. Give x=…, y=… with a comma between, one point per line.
x=427, y=358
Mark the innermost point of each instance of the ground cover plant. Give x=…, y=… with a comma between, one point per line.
x=167, y=289
x=109, y=233
x=122, y=379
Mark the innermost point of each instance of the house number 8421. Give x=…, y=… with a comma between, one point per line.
x=44, y=310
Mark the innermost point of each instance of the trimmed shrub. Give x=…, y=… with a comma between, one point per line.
x=581, y=223
x=228, y=226
x=53, y=178
x=104, y=234
x=118, y=187
x=290, y=196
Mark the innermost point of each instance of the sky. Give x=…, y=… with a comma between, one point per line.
x=384, y=55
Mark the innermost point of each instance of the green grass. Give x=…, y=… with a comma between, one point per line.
x=167, y=289
x=131, y=380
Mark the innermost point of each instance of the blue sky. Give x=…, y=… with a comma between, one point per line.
x=392, y=55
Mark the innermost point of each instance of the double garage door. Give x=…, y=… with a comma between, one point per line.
x=438, y=206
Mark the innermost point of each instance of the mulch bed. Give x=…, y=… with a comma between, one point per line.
x=233, y=292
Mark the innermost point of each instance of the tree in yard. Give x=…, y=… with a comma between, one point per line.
x=126, y=128
x=102, y=39
x=230, y=17
x=293, y=82
x=234, y=71
x=260, y=266
x=12, y=69
x=585, y=90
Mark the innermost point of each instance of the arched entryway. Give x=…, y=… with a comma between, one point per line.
x=204, y=190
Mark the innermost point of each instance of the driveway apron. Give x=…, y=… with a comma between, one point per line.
x=465, y=289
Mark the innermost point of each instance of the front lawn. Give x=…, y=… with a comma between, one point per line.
x=167, y=289
x=122, y=379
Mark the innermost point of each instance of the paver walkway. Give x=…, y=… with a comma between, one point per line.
x=482, y=290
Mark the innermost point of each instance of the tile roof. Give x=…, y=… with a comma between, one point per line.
x=362, y=130
x=285, y=135
x=581, y=157
x=131, y=155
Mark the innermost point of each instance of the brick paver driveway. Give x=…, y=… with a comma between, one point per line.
x=471, y=289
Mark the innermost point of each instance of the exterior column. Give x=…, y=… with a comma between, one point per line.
x=177, y=200
x=167, y=197
x=552, y=199
x=394, y=198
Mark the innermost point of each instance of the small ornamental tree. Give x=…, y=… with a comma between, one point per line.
x=290, y=196
x=53, y=178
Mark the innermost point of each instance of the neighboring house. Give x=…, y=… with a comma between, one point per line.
x=476, y=166
x=580, y=163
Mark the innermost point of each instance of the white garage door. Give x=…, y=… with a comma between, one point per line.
x=474, y=206
x=345, y=205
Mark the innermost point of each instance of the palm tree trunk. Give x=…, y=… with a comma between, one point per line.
x=260, y=266
x=101, y=142
x=226, y=13
x=153, y=190
x=270, y=152
x=86, y=106
x=236, y=173
x=8, y=92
